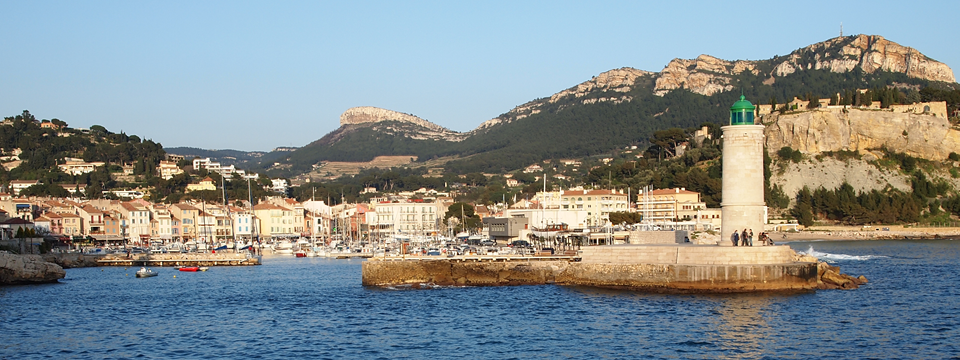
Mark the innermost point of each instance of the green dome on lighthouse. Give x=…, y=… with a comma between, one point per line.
x=741, y=113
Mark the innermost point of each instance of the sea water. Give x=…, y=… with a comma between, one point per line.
x=316, y=308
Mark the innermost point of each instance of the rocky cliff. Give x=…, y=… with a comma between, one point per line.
x=863, y=131
x=373, y=116
x=705, y=75
x=370, y=114
x=28, y=269
x=870, y=53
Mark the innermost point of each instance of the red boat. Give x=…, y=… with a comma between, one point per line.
x=190, y=268
x=300, y=254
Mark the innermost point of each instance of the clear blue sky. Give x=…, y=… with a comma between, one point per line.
x=257, y=75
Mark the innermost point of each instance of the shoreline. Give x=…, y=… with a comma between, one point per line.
x=858, y=234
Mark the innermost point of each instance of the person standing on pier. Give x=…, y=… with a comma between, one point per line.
x=736, y=238
x=750, y=238
x=744, y=239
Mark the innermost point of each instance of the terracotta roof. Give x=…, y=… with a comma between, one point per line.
x=268, y=206
x=15, y=221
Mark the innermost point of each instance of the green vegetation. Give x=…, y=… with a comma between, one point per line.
x=788, y=153
x=467, y=219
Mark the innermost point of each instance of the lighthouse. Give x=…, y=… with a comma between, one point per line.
x=742, y=205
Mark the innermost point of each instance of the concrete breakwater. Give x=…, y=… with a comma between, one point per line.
x=655, y=268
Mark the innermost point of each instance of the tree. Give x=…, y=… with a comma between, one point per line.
x=667, y=140
x=465, y=217
x=814, y=102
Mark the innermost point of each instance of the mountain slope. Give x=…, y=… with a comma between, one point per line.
x=624, y=107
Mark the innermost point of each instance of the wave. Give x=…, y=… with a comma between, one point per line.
x=828, y=257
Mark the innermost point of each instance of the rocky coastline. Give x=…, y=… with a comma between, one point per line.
x=28, y=269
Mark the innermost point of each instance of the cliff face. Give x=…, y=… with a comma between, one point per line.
x=814, y=132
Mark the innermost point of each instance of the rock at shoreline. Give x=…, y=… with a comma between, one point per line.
x=72, y=260
x=28, y=269
x=830, y=277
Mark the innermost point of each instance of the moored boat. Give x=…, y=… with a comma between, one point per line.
x=190, y=268
x=144, y=272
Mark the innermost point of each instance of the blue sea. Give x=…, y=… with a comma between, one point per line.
x=316, y=308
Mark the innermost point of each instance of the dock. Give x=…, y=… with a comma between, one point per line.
x=188, y=259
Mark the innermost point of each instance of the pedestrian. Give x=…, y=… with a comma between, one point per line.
x=750, y=237
x=736, y=238
x=743, y=235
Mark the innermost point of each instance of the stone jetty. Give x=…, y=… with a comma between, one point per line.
x=28, y=269
x=651, y=268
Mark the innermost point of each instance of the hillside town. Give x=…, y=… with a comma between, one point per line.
x=72, y=223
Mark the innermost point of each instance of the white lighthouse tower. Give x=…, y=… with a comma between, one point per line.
x=742, y=206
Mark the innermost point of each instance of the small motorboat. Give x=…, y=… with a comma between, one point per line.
x=300, y=253
x=204, y=268
x=144, y=272
x=190, y=268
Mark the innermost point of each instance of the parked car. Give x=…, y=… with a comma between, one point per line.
x=520, y=243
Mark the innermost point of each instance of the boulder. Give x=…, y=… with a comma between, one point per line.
x=831, y=278
x=28, y=269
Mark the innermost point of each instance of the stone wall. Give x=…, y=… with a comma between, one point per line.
x=694, y=278
x=687, y=255
x=657, y=237
x=674, y=278
x=461, y=273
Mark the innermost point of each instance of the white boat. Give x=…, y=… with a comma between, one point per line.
x=283, y=247
x=144, y=272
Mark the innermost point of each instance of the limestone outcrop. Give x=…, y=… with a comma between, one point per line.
x=423, y=129
x=702, y=75
x=864, y=131
x=369, y=114
x=28, y=269
x=870, y=53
